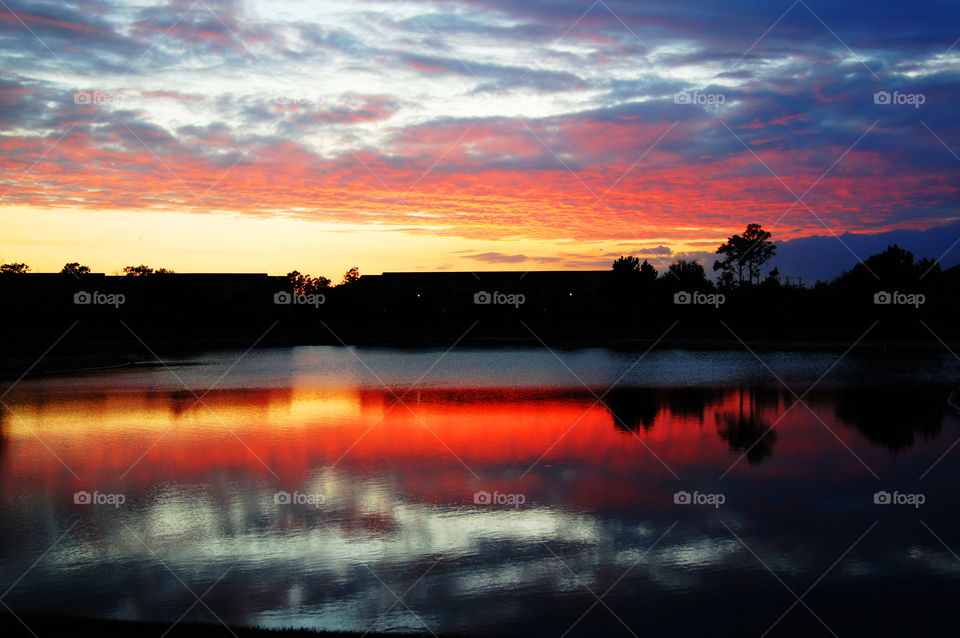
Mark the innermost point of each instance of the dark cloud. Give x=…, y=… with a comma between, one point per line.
x=730, y=27
x=493, y=77
x=823, y=257
x=214, y=27
x=68, y=37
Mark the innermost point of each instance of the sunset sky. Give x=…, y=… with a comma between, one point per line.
x=268, y=135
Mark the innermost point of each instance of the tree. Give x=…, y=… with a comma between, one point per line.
x=626, y=265
x=726, y=278
x=137, y=271
x=648, y=274
x=894, y=267
x=297, y=281
x=14, y=269
x=744, y=255
x=687, y=275
x=145, y=271
x=631, y=268
x=305, y=284
x=73, y=268
x=351, y=277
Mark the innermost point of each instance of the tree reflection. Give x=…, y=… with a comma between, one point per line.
x=632, y=408
x=893, y=417
x=691, y=402
x=744, y=429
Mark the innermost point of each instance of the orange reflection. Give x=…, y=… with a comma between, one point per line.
x=430, y=445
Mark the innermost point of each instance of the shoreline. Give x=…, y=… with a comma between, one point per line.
x=50, y=625
x=92, y=356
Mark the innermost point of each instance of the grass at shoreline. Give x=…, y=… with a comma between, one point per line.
x=43, y=626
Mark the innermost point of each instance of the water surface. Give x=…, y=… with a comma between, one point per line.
x=391, y=456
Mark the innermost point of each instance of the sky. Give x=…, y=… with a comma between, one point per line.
x=272, y=135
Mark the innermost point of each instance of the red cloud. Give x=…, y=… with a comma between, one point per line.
x=494, y=179
x=35, y=19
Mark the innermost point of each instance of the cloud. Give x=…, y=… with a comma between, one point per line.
x=498, y=258
x=216, y=27
x=172, y=95
x=641, y=251
x=583, y=175
x=493, y=77
x=493, y=120
x=823, y=257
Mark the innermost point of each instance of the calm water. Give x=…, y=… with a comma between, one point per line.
x=584, y=493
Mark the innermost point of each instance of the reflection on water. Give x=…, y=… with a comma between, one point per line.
x=745, y=429
x=389, y=490
x=894, y=416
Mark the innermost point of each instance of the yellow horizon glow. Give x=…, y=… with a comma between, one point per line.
x=108, y=240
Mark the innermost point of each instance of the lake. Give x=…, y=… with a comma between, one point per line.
x=490, y=492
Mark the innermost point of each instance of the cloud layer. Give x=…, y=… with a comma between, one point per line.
x=661, y=123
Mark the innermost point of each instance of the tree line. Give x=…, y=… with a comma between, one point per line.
x=742, y=258
x=740, y=264
x=891, y=295
x=301, y=283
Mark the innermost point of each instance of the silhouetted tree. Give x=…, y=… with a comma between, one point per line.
x=351, y=277
x=74, y=268
x=14, y=269
x=623, y=265
x=145, y=271
x=137, y=271
x=630, y=291
x=305, y=284
x=894, y=267
x=726, y=279
x=648, y=274
x=744, y=255
x=631, y=267
x=297, y=280
x=687, y=275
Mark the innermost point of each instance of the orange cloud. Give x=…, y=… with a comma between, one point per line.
x=496, y=180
